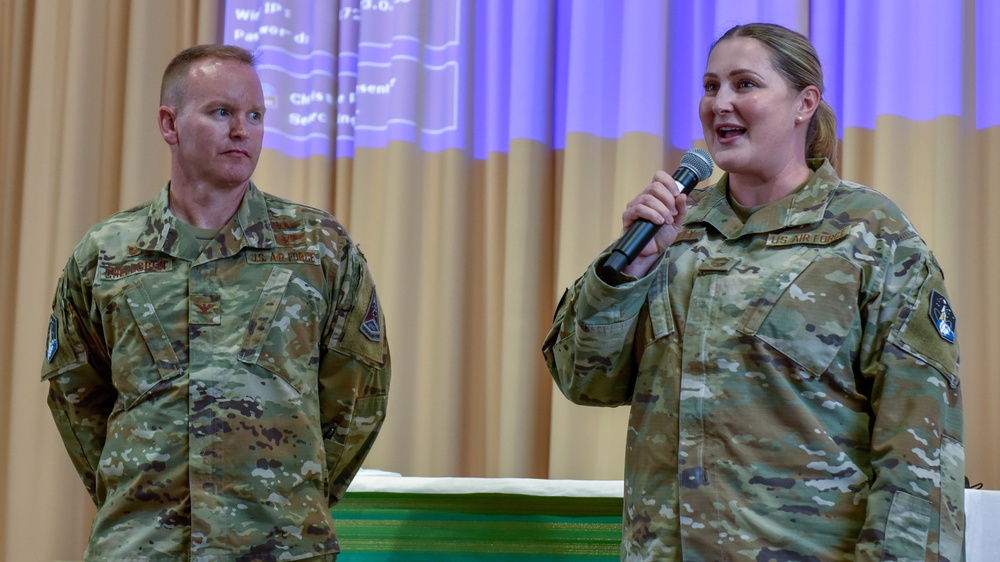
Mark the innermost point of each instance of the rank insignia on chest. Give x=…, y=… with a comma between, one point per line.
x=942, y=316
x=720, y=264
x=688, y=235
x=52, y=344
x=370, y=326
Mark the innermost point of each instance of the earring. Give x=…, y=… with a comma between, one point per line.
x=798, y=119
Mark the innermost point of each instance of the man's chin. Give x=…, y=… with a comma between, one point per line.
x=236, y=179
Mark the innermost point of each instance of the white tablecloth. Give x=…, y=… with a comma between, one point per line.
x=520, y=486
x=982, y=526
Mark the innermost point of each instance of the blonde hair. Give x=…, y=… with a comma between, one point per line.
x=795, y=58
x=172, y=86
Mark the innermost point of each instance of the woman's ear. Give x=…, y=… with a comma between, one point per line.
x=809, y=99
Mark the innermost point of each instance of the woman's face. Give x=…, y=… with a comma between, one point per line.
x=748, y=112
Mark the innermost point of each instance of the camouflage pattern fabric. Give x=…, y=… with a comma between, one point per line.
x=217, y=400
x=793, y=383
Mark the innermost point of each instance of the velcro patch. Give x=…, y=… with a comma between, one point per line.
x=370, y=326
x=812, y=238
x=205, y=310
x=942, y=316
x=689, y=234
x=112, y=272
x=718, y=265
x=284, y=256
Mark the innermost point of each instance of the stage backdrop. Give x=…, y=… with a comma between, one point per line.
x=480, y=152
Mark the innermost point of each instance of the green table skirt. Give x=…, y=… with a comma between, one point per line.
x=411, y=527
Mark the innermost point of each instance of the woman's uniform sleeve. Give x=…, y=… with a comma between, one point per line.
x=77, y=368
x=916, y=500
x=354, y=375
x=590, y=348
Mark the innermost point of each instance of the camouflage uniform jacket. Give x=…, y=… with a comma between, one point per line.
x=217, y=401
x=793, y=383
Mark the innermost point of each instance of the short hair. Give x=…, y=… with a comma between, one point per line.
x=795, y=58
x=171, y=91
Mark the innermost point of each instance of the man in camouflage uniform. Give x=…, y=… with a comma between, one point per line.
x=217, y=357
x=793, y=383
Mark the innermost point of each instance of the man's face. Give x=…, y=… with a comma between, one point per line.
x=218, y=124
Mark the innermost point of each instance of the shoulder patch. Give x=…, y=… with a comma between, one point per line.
x=52, y=342
x=942, y=316
x=370, y=326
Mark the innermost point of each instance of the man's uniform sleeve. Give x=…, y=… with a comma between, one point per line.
x=77, y=368
x=916, y=501
x=589, y=349
x=354, y=375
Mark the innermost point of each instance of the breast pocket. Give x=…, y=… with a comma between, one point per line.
x=142, y=355
x=808, y=311
x=283, y=330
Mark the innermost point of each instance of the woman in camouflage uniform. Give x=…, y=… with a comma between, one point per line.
x=785, y=343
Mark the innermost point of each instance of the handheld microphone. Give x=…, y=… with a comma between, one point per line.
x=696, y=165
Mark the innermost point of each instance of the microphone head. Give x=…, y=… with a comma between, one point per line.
x=698, y=161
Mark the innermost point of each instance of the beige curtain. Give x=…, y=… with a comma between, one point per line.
x=79, y=142
x=470, y=255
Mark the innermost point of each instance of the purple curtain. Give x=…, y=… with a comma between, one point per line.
x=474, y=74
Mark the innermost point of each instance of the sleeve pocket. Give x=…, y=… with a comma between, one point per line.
x=906, y=529
x=64, y=348
x=916, y=332
x=952, y=499
x=360, y=332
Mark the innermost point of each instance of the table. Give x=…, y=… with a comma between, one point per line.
x=397, y=519
x=482, y=519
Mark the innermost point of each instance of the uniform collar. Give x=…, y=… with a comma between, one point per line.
x=804, y=206
x=249, y=227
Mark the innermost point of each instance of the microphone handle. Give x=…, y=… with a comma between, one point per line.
x=641, y=232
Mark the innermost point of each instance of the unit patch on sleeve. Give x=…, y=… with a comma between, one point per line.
x=370, y=326
x=52, y=344
x=942, y=316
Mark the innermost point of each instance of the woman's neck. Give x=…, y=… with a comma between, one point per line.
x=752, y=190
